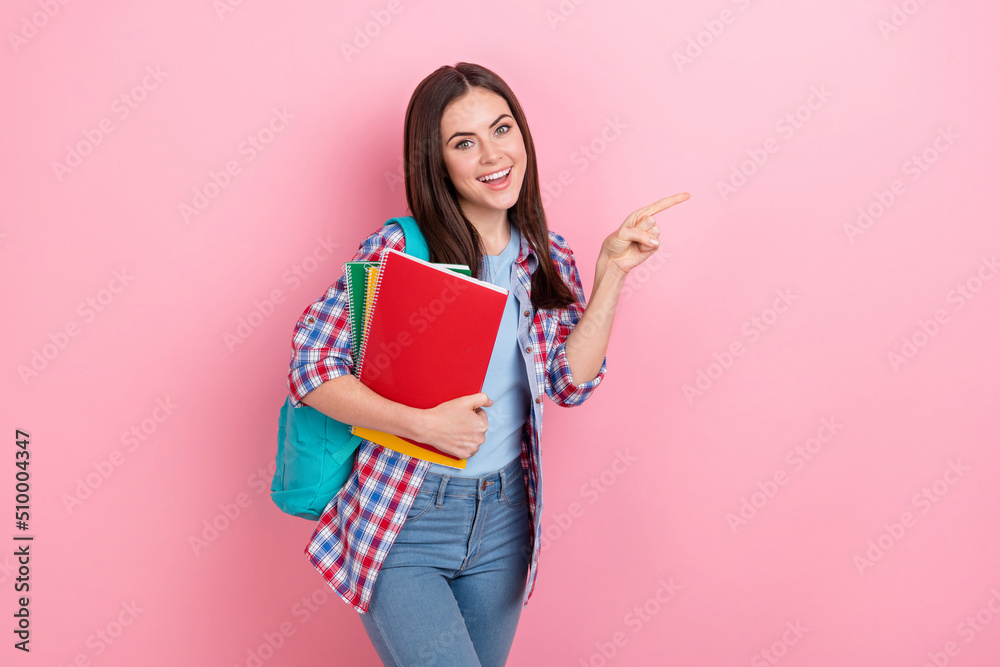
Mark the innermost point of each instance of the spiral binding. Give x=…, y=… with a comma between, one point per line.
x=347, y=281
x=367, y=321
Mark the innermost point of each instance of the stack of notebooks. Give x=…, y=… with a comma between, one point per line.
x=422, y=334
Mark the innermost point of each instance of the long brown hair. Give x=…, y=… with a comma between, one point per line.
x=433, y=200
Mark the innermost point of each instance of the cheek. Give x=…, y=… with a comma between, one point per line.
x=523, y=157
x=522, y=152
x=461, y=169
x=523, y=160
x=449, y=168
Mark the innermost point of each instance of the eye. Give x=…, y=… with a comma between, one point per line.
x=502, y=129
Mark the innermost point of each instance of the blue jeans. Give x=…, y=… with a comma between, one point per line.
x=450, y=591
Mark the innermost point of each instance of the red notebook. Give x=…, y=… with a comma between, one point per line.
x=429, y=337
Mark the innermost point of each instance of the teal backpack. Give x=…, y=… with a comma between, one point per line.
x=316, y=453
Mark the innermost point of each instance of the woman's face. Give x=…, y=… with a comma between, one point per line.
x=482, y=139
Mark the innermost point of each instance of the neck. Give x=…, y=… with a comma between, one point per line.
x=493, y=227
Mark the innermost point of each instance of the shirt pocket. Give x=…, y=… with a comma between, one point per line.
x=548, y=323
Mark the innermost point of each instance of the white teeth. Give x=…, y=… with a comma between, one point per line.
x=493, y=177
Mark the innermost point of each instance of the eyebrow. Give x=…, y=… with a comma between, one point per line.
x=471, y=134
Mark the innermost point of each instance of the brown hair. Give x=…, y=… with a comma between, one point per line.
x=432, y=198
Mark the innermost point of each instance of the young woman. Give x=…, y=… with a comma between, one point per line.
x=464, y=543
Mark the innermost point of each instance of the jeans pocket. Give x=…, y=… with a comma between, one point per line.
x=421, y=506
x=514, y=494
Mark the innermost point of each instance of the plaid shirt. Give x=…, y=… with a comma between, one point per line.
x=355, y=532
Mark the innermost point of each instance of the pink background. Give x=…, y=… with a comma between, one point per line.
x=620, y=120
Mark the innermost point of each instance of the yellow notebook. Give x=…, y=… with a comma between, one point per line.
x=370, y=293
x=389, y=440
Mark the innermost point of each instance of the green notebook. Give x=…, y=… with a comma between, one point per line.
x=356, y=276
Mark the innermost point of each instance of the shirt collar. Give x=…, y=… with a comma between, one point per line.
x=527, y=254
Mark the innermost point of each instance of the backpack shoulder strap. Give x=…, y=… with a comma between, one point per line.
x=415, y=243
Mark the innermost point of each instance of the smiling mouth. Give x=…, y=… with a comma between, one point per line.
x=494, y=177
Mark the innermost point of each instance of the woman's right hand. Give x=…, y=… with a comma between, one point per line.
x=457, y=427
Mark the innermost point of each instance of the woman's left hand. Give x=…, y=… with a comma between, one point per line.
x=638, y=237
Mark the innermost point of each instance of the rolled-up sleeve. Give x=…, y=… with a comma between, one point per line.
x=559, y=384
x=321, y=341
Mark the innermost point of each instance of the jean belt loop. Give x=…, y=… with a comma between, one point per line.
x=439, y=502
x=504, y=481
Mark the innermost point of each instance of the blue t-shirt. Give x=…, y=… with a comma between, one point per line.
x=506, y=378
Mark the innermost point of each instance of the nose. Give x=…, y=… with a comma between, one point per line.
x=490, y=153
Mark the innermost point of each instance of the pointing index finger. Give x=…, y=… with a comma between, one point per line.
x=662, y=205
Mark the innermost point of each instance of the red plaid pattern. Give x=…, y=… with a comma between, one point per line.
x=358, y=527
